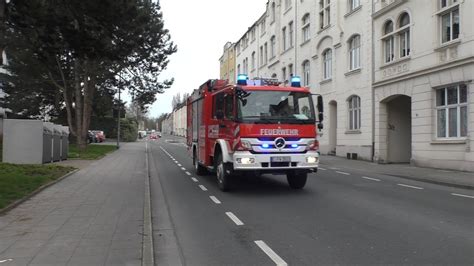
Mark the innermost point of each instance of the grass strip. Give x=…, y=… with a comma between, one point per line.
x=92, y=151
x=17, y=181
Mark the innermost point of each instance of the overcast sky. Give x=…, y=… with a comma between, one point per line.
x=200, y=29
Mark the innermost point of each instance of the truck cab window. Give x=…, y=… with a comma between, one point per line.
x=218, y=104
x=229, y=106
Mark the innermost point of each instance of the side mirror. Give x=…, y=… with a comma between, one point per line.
x=320, y=117
x=320, y=126
x=320, y=105
x=219, y=114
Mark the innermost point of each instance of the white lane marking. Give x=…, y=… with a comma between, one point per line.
x=216, y=201
x=403, y=185
x=179, y=164
x=194, y=179
x=270, y=253
x=342, y=173
x=203, y=188
x=370, y=178
x=333, y=168
x=188, y=173
x=234, y=218
x=2, y=261
x=182, y=168
x=324, y=169
x=461, y=195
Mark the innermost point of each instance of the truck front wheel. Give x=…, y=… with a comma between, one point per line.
x=223, y=177
x=297, y=180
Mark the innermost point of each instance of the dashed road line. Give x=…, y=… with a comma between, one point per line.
x=342, y=173
x=7, y=260
x=324, y=169
x=194, y=179
x=182, y=168
x=188, y=173
x=234, y=218
x=270, y=253
x=179, y=164
x=371, y=178
x=216, y=201
x=462, y=195
x=408, y=186
x=203, y=188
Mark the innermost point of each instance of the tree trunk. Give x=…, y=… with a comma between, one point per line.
x=81, y=132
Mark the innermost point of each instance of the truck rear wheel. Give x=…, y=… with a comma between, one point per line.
x=297, y=180
x=199, y=169
x=223, y=177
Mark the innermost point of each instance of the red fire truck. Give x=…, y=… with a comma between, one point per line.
x=256, y=126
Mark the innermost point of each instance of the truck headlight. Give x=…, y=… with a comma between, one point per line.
x=245, y=160
x=312, y=159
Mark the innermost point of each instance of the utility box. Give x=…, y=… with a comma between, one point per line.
x=64, y=142
x=47, y=143
x=57, y=134
x=23, y=141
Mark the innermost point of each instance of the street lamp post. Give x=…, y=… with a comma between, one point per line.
x=118, y=120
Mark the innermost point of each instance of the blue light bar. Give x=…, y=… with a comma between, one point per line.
x=295, y=81
x=265, y=145
x=294, y=145
x=242, y=79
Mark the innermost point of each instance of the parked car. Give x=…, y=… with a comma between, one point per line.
x=159, y=134
x=100, y=136
x=91, y=137
x=153, y=136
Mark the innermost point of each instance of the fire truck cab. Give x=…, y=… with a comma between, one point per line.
x=255, y=126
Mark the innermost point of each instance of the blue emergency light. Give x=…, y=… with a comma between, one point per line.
x=294, y=145
x=242, y=79
x=265, y=145
x=295, y=81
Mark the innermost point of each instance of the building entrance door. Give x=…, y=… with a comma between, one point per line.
x=399, y=129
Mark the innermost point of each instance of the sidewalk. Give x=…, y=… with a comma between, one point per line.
x=431, y=175
x=93, y=217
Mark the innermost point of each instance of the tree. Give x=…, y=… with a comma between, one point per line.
x=78, y=47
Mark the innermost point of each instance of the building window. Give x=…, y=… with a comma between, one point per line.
x=404, y=35
x=253, y=60
x=261, y=55
x=306, y=72
x=445, y=3
x=389, y=42
x=283, y=74
x=273, y=12
x=290, y=34
x=238, y=69
x=246, y=65
x=283, y=38
x=451, y=112
x=287, y=4
x=272, y=46
x=253, y=34
x=306, y=29
x=327, y=64
x=266, y=52
x=450, y=26
x=324, y=13
x=354, y=112
x=262, y=27
x=354, y=52
x=290, y=69
x=353, y=4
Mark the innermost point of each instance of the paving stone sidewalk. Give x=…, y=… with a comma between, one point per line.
x=93, y=217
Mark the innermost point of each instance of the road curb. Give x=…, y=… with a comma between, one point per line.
x=36, y=191
x=448, y=184
x=147, y=243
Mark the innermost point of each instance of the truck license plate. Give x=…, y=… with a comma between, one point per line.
x=280, y=159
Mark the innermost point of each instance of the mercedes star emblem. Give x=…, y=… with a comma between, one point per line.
x=280, y=143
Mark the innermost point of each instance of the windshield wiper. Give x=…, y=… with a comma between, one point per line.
x=259, y=119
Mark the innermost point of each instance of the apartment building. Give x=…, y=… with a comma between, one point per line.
x=396, y=75
x=328, y=44
x=227, y=63
x=423, y=89
x=179, y=120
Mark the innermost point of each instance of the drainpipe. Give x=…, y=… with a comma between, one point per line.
x=296, y=36
x=372, y=74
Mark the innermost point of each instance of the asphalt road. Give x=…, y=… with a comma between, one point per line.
x=340, y=217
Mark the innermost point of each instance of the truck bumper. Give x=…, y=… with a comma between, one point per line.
x=244, y=160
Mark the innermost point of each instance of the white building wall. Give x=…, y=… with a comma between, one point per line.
x=430, y=66
x=343, y=83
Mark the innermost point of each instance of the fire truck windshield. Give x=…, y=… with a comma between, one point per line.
x=275, y=106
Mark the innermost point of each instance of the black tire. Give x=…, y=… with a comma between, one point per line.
x=297, y=180
x=223, y=177
x=199, y=169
